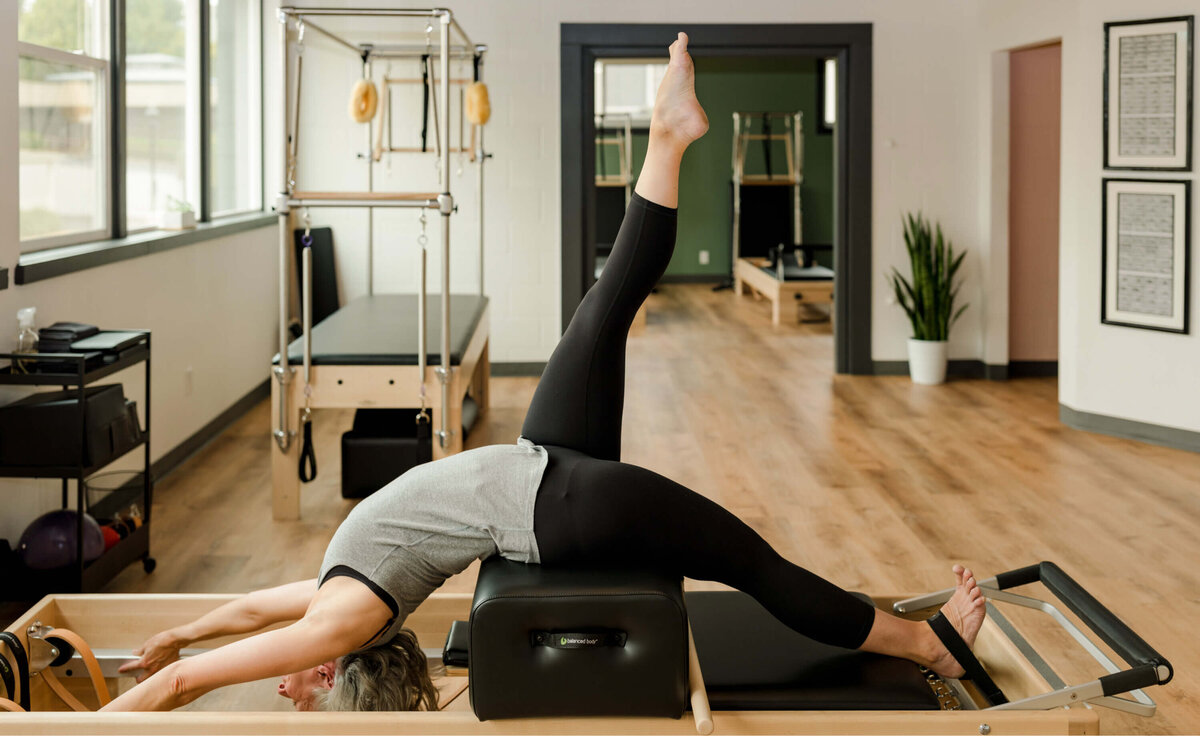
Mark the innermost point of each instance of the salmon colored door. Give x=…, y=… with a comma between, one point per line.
x=1035, y=101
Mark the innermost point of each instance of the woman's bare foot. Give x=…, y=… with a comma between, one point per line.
x=965, y=610
x=677, y=113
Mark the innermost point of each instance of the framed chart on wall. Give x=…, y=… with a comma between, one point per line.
x=1146, y=252
x=1148, y=94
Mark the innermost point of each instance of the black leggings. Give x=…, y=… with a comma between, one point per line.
x=593, y=510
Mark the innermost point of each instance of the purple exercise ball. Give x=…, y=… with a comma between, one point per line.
x=49, y=541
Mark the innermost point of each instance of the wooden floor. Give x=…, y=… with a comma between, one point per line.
x=875, y=483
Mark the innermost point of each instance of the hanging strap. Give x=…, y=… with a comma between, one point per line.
x=308, y=456
x=22, y=661
x=8, y=705
x=76, y=642
x=424, y=437
x=424, y=102
x=6, y=677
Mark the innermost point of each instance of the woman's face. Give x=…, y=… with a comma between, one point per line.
x=299, y=686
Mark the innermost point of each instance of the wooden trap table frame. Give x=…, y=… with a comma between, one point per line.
x=357, y=379
x=125, y=621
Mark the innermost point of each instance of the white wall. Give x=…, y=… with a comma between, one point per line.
x=1121, y=372
x=210, y=306
x=925, y=145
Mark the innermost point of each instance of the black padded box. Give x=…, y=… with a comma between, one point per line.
x=556, y=642
x=380, y=447
x=43, y=429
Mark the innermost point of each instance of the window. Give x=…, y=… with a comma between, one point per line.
x=235, y=96
x=62, y=100
x=189, y=132
x=628, y=86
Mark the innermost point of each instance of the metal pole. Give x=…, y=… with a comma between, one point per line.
x=306, y=308
x=357, y=51
x=798, y=178
x=480, y=158
x=444, y=93
x=370, y=188
x=366, y=12
x=283, y=372
x=737, y=189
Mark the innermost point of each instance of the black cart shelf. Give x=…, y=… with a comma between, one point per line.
x=88, y=368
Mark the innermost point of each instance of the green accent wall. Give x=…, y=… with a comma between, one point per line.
x=749, y=84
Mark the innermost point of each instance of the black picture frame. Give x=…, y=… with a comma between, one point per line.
x=1115, y=161
x=1181, y=266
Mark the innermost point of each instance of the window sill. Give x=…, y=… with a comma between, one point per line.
x=46, y=264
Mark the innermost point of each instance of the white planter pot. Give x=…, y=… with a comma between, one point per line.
x=927, y=361
x=174, y=220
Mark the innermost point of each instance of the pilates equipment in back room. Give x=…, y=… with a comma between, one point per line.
x=771, y=268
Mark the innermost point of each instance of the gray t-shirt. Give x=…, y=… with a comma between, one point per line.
x=407, y=538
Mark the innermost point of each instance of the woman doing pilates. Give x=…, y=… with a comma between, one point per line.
x=560, y=496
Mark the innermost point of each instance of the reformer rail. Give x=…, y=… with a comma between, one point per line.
x=290, y=198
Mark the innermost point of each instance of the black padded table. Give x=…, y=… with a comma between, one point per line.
x=382, y=330
x=752, y=661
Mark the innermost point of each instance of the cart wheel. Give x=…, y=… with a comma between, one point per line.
x=148, y=564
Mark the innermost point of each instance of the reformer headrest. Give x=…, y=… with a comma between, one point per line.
x=565, y=642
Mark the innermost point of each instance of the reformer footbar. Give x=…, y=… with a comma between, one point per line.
x=1146, y=666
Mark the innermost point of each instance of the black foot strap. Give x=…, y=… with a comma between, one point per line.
x=17, y=650
x=308, y=456
x=948, y=635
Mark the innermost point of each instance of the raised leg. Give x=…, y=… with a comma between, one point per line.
x=579, y=400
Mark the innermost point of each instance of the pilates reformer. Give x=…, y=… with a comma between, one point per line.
x=775, y=279
x=341, y=366
x=620, y=652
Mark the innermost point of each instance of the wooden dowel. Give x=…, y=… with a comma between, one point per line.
x=409, y=80
x=375, y=196
x=699, y=696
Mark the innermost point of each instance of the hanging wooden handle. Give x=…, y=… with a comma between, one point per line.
x=479, y=107
x=89, y=662
x=363, y=101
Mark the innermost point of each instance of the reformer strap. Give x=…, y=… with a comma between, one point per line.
x=22, y=661
x=8, y=705
x=424, y=438
x=958, y=648
x=424, y=102
x=76, y=642
x=6, y=676
x=308, y=456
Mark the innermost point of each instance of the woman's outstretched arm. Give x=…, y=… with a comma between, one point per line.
x=342, y=617
x=242, y=615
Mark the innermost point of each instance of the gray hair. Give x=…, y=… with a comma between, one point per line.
x=386, y=677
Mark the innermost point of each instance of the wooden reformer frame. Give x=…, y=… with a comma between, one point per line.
x=360, y=386
x=122, y=622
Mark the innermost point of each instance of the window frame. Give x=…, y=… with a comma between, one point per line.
x=102, y=141
x=115, y=232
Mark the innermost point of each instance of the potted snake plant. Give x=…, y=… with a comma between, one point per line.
x=929, y=298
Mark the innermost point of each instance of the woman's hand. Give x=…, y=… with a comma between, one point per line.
x=159, y=651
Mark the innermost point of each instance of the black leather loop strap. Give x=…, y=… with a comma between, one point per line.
x=962, y=653
x=308, y=456
x=6, y=677
x=424, y=437
x=17, y=650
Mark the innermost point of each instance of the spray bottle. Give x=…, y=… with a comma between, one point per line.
x=27, y=338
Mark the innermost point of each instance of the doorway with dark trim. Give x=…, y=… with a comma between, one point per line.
x=850, y=44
